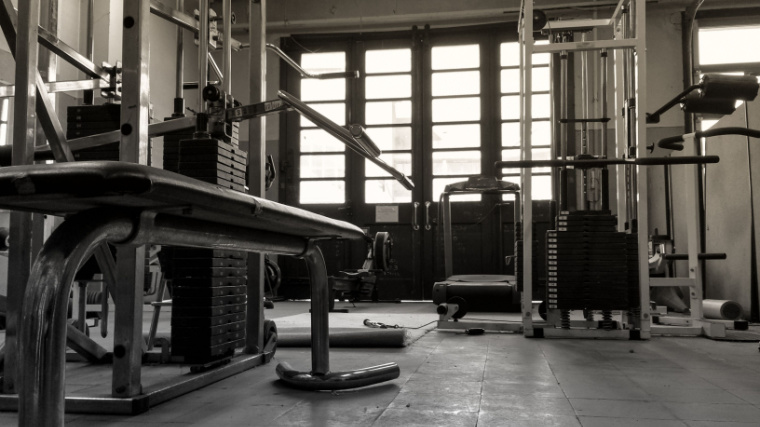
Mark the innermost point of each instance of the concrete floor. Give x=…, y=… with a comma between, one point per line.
x=452, y=379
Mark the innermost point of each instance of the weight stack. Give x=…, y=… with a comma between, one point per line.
x=587, y=263
x=209, y=286
x=208, y=303
x=87, y=120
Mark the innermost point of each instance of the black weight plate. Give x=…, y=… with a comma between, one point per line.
x=182, y=252
x=206, y=321
x=208, y=262
x=207, y=332
x=221, y=310
x=210, y=272
x=201, y=341
x=204, y=174
x=103, y=112
x=192, y=282
x=198, y=292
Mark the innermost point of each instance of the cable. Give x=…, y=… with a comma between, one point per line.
x=381, y=325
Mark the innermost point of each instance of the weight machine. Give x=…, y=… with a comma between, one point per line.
x=216, y=114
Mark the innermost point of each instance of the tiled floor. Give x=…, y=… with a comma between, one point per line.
x=450, y=379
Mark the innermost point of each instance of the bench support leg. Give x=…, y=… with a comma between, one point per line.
x=42, y=327
x=320, y=377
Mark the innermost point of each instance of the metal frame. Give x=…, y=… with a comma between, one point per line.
x=633, y=47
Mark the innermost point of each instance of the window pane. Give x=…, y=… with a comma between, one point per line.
x=541, y=58
x=388, y=113
x=323, y=90
x=541, y=79
x=513, y=154
x=455, y=57
x=386, y=191
x=391, y=138
x=541, y=154
x=319, y=141
x=456, y=110
x=334, y=111
x=541, y=106
x=322, y=192
x=388, y=60
x=400, y=161
x=456, y=83
x=510, y=134
x=456, y=136
x=324, y=62
x=323, y=166
x=510, y=54
x=439, y=184
x=380, y=87
x=510, y=107
x=510, y=80
x=542, y=187
x=542, y=133
x=728, y=45
x=456, y=163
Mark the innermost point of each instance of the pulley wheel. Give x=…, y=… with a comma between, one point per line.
x=462, y=307
x=381, y=250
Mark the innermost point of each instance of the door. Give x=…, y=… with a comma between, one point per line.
x=437, y=105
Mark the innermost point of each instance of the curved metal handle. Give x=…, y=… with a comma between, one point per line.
x=427, y=216
x=415, y=226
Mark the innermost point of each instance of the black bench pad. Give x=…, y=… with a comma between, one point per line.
x=68, y=188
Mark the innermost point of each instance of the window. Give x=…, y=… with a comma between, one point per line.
x=388, y=119
x=509, y=59
x=729, y=50
x=322, y=158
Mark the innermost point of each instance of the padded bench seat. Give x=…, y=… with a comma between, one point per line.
x=131, y=204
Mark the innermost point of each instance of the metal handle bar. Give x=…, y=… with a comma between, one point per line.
x=597, y=163
x=342, y=135
x=306, y=74
x=675, y=142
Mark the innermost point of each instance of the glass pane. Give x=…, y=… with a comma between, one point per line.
x=323, y=166
x=510, y=134
x=457, y=83
x=510, y=107
x=542, y=187
x=323, y=90
x=456, y=110
x=439, y=184
x=388, y=113
x=542, y=133
x=456, y=136
x=541, y=79
x=380, y=87
x=400, y=161
x=386, y=191
x=725, y=46
x=455, y=57
x=510, y=80
x=456, y=163
x=333, y=111
x=513, y=154
x=391, y=138
x=388, y=60
x=324, y=62
x=541, y=154
x=541, y=106
x=319, y=141
x=541, y=58
x=510, y=54
x=322, y=192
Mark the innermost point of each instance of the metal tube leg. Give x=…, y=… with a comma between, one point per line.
x=320, y=310
x=42, y=329
x=320, y=378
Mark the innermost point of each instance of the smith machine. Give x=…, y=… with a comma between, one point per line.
x=597, y=260
x=197, y=204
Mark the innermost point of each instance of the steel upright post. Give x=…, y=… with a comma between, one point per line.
x=135, y=112
x=256, y=168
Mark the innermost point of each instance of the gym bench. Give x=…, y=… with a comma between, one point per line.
x=131, y=204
